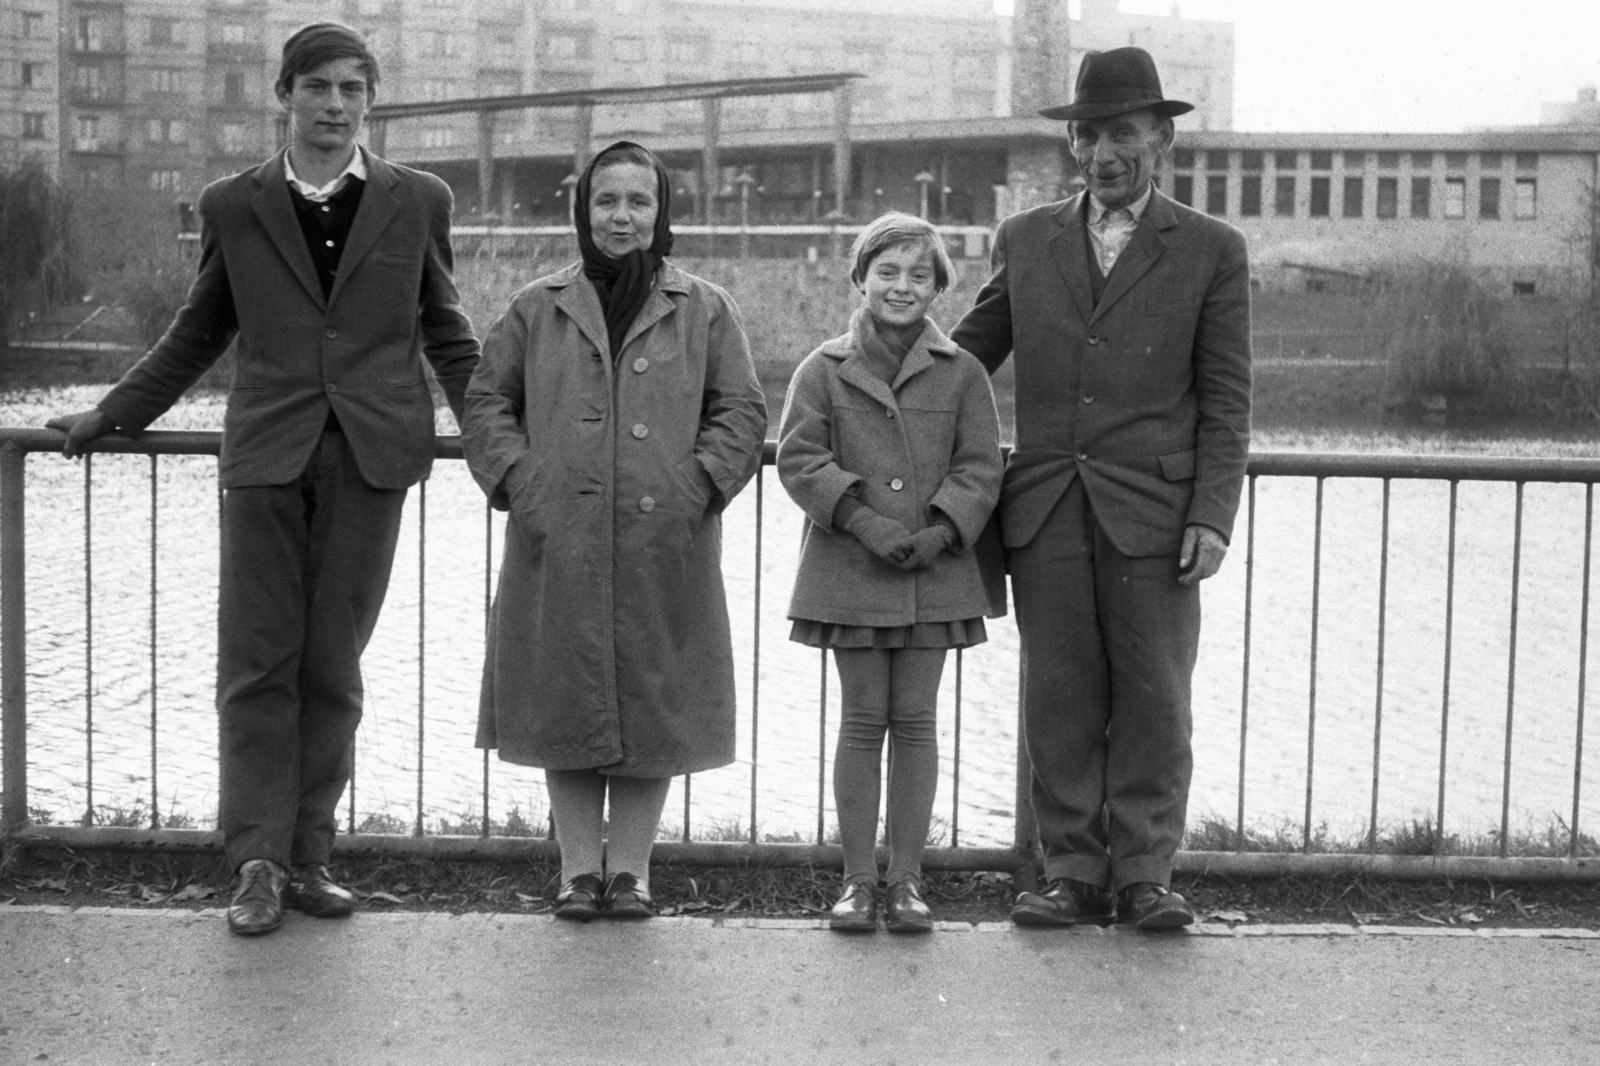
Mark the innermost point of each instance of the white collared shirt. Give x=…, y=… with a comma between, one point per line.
x=1110, y=231
x=356, y=168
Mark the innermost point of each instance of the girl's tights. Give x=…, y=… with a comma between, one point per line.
x=894, y=691
x=578, y=804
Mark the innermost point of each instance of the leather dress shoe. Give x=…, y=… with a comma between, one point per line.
x=1146, y=905
x=257, y=904
x=579, y=898
x=857, y=909
x=625, y=899
x=317, y=894
x=1065, y=902
x=904, y=910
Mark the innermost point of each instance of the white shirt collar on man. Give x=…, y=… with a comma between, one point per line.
x=1110, y=231
x=356, y=168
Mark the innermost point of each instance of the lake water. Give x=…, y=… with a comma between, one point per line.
x=437, y=601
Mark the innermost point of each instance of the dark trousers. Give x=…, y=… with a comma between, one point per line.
x=1108, y=649
x=304, y=570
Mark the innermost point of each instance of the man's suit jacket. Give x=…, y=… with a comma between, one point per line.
x=358, y=351
x=1145, y=396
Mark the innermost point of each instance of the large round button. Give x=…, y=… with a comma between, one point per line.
x=1094, y=338
x=640, y=365
x=1083, y=457
x=647, y=504
x=641, y=431
x=1088, y=399
x=889, y=412
x=330, y=333
x=897, y=484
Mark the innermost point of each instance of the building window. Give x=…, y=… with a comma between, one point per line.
x=627, y=49
x=1388, y=197
x=1321, y=195
x=1388, y=160
x=1321, y=160
x=1250, y=196
x=1283, y=198
x=1489, y=198
x=33, y=24
x=1455, y=160
x=1421, y=197
x=167, y=81
x=561, y=47
x=31, y=76
x=235, y=138
x=1523, y=288
x=164, y=32
x=1183, y=189
x=33, y=125
x=1527, y=160
x=232, y=33
x=1354, y=192
x=1217, y=194
x=1183, y=158
x=1216, y=160
x=166, y=180
x=1355, y=160
x=437, y=137
x=90, y=34
x=687, y=51
x=233, y=88
x=1489, y=160
x=1252, y=160
x=1421, y=160
x=87, y=80
x=1455, y=197
x=1286, y=160
x=88, y=139
x=1527, y=205
x=167, y=131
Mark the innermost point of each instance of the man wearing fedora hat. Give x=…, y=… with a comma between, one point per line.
x=1129, y=317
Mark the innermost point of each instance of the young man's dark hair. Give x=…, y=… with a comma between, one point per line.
x=312, y=45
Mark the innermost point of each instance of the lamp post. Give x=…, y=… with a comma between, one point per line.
x=744, y=181
x=923, y=180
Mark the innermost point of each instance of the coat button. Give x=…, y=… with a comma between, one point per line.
x=1083, y=457
x=332, y=387
x=647, y=504
x=1088, y=399
x=889, y=413
x=641, y=431
x=640, y=365
x=897, y=484
x=1095, y=338
x=330, y=333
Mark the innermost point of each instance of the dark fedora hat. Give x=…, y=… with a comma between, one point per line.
x=1116, y=82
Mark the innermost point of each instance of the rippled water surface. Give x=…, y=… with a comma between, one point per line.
x=152, y=730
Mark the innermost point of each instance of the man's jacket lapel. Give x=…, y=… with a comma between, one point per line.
x=378, y=208
x=276, y=212
x=1141, y=254
x=1066, y=247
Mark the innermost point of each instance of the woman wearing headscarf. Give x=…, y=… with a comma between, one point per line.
x=615, y=413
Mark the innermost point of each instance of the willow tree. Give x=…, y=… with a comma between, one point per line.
x=35, y=238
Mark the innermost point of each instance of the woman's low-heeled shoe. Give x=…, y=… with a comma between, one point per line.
x=625, y=899
x=904, y=911
x=857, y=909
x=579, y=898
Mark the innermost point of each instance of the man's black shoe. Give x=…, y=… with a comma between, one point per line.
x=316, y=894
x=1146, y=906
x=257, y=905
x=1065, y=902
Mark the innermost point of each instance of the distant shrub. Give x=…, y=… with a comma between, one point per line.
x=1444, y=338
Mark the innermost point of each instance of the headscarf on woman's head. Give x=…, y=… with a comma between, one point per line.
x=623, y=284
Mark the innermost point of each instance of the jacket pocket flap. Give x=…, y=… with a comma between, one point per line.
x=1177, y=466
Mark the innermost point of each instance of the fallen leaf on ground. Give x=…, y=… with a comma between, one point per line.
x=1472, y=917
x=192, y=892
x=151, y=895
x=56, y=884
x=524, y=897
x=1435, y=921
x=1227, y=916
x=382, y=897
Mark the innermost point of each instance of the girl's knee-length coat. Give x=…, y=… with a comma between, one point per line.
x=609, y=644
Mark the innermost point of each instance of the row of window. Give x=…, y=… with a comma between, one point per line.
x=1285, y=197
x=233, y=138
x=1249, y=160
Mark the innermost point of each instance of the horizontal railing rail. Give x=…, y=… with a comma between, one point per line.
x=1243, y=857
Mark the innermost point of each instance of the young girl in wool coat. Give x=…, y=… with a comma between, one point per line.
x=890, y=444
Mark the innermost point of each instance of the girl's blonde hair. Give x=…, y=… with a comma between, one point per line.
x=894, y=228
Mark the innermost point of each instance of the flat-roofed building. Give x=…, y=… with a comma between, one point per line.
x=30, y=83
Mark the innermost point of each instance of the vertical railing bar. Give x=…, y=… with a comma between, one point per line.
x=1583, y=663
x=1311, y=717
x=422, y=630
x=155, y=813
x=955, y=786
x=13, y=640
x=1244, y=687
x=488, y=609
x=822, y=743
x=1377, y=709
x=1511, y=676
x=688, y=780
x=88, y=637
x=755, y=663
x=1444, y=691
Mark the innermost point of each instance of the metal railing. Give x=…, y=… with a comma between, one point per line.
x=1241, y=856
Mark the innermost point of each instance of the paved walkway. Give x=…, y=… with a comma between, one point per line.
x=171, y=987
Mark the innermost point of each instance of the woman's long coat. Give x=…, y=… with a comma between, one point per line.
x=609, y=644
x=928, y=442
